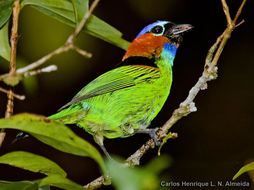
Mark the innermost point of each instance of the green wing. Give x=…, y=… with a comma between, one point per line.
x=116, y=79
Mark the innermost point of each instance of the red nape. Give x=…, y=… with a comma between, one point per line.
x=146, y=45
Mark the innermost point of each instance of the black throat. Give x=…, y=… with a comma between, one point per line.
x=138, y=60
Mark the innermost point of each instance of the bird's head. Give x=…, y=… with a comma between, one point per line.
x=157, y=37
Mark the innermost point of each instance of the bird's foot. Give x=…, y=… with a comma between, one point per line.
x=152, y=133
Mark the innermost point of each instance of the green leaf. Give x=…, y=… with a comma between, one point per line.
x=32, y=162
x=54, y=134
x=246, y=168
x=44, y=188
x=64, y=12
x=158, y=164
x=5, y=49
x=5, y=11
x=139, y=178
x=60, y=10
x=60, y=182
x=20, y=185
x=165, y=140
x=98, y=28
x=80, y=8
x=41, y=184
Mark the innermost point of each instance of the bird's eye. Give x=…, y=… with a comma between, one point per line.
x=157, y=29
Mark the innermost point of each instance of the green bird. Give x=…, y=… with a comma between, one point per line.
x=124, y=101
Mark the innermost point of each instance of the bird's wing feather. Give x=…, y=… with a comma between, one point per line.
x=116, y=79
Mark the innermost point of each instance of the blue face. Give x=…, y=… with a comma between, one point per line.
x=157, y=28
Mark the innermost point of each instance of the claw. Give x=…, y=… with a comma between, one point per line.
x=152, y=133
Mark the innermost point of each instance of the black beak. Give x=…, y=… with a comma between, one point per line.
x=175, y=31
x=180, y=28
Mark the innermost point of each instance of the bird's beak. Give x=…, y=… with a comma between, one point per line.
x=175, y=32
x=180, y=28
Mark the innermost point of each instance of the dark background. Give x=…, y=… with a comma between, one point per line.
x=213, y=143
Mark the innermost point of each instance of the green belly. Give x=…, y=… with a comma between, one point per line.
x=121, y=113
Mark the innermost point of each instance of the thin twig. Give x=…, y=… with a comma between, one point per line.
x=47, y=69
x=14, y=36
x=239, y=11
x=95, y=184
x=61, y=49
x=82, y=22
x=42, y=60
x=10, y=104
x=226, y=12
x=17, y=96
x=14, y=42
x=82, y=52
x=69, y=44
x=27, y=70
x=240, y=23
x=187, y=106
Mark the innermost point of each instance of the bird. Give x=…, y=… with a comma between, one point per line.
x=123, y=101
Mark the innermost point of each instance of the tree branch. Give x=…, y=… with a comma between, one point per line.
x=17, y=96
x=14, y=42
x=188, y=105
x=68, y=45
x=14, y=36
x=82, y=23
x=29, y=69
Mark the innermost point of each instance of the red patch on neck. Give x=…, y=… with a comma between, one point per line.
x=146, y=45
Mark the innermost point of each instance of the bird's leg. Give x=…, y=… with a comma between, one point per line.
x=153, y=134
x=106, y=152
x=99, y=140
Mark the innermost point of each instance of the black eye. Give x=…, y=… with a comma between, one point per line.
x=157, y=29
